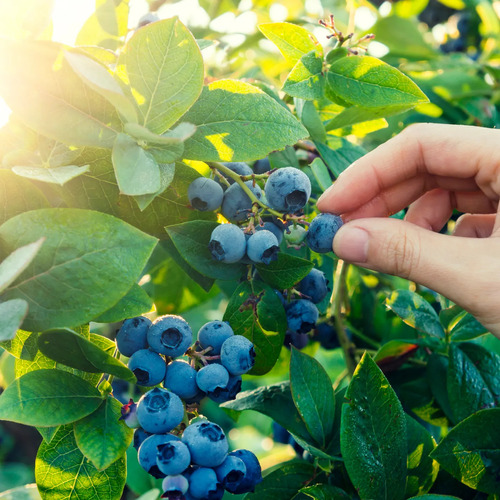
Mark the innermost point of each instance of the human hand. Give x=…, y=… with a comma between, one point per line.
x=435, y=168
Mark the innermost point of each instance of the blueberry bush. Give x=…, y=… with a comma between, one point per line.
x=173, y=321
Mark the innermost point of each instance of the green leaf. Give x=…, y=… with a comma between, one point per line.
x=61, y=285
x=311, y=119
x=12, y=314
x=26, y=492
x=37, y=82
x=436, y=375
x=276, y=402
x=135, y=303
x=473, y=379
x=48, y=432
x=325, y=492
x=285, y=272
x=256, y=312
x=56, y=175
x=191, y=241
x=313, y=396
x=422, y=470
x=373, y=434
x=178, y=135
x=23, y=345
x=101, y=436
x=416, y=312
x=358, y=114
x=15, y=263
x=284, y=482
x=163, y=66
x=167, y=174
x=293, y=41
x=71, y=349
x=394, y=353
x=470, y=452
x=62, y=471
x=431, y=496
x=48, y=397
x=338, y=159
x=306, y=79
x=227, y=113
x=321, y=173
x=467, y=328
x=371, y=83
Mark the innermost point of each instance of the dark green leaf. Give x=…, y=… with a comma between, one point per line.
x=467, y=328
x=325, y=492
x=284, y=482
x=339, y=158
x=431, y=496
x=48, y=432
x=471, y=451
x=473, y=379
x=62, y=471
x=227, y=113
x=48, y=397
x=313, y=396
x=256, y=312
x=12, y=314
x=191, y=241
x=285, y=272
x=416, y=312
x=436, y=375
x=101, y=436
x=71, y=349
x=373, y=434
x=61, y=285
x=276, y=402
x=306, y=79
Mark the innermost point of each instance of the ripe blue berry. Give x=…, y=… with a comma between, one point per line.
x=205, y=194
x=288, y=189
x=170, y=335
x=148, y=450
x=203, y=484
x=140, y=435
x=159, y=411
x=239, y=168
x=206, y=442
x=301, y=315
x=227, y=393
x=175, y=486
x=132, y=335
x=253, y=475
x=274, y=228
x=227, y=243
x=213, y=334
x=322, y=230
x=173, y=458
x=231, y=472
x=297, y=340
x=314, y=285
x=148, y=367
x=237, y=355
x=280, y=434
x=262, y=247
x=236, y=204
x=181, y=379
x=262, y=166
x=212, y=377
x=326, y=335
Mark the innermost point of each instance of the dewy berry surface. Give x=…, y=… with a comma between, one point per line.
x=263, y=247
x=205, y=194
x=322, y=230
x=288, y=189
x=206, y=442
x=159, y=411
x=148, y=366
x=170, y=335
x=227, y=243
x=237, y=355
x=213, y=334
x=132, y=335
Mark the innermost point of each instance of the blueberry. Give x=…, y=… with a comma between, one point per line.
x=280, y=434
x=132, y=335
x=121, y=390
x=262, y=247
x=236, y=204
x=295, y=235
x=262, y=166
x=301, y=315
x=173, y=458
x=148, y=367
x=170, y=335
x=206, y=442
x=231, y=472
x=212, y=377
x=181, y=379
x=253, y=475
x=148, y=451
x=213, y=334
x=175, y=487
x=227, y=393
x=227, y=243
x=205, y=194
x=237, y=355
x=326, y=335
x=314, y=286
x=274, y=228
x=203, y=484
x=159, y=411
x=239, y=168
x=288, y=189
x=322, y=230
x=140, y=435
x=297, y=340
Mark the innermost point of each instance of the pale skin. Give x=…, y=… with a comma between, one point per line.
x=433, y=169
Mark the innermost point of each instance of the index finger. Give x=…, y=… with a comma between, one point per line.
x=462, y=154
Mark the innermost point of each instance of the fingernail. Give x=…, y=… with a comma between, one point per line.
x=326, y=194
x=351, y=243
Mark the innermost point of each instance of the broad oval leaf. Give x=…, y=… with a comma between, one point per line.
x=373, y=435
x=62, y=471
x=101, y=436
x=230, y=112
x=12, y=314
x=470, y=452
x=52, y=175
x=285, y=272
x=467, y=328
x=163, y=66
x=88, y=262
x=306, y=80
x=48, y=397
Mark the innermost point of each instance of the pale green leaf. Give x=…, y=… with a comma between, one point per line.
x=56, y=175
x=12, y=314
